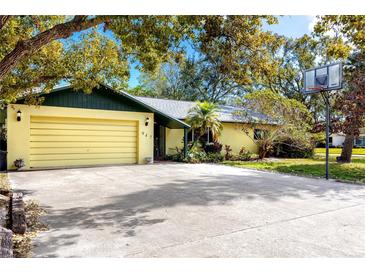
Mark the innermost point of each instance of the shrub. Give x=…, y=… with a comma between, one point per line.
x=291, y=151
x=178, y=156
x=214, y=147
x=228, y=154
x=244, y=154
x=196, y=157
x=214, y=158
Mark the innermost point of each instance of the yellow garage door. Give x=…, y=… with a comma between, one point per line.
x=63, y=141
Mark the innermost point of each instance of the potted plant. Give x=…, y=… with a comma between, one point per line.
x=19, y=164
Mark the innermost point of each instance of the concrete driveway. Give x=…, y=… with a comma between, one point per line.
x=182, y=210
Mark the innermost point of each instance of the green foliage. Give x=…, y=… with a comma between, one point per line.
x=204, y=116
x=141, y=91
x=244, y=155
x=104, y=47
x=292, y=120
x=192, y=80
x=214, y=147
x=286, y=150
x=344, y=29
x=228, y=152
x=195, y=157
x=290, y=60
x=214, y=158
x=349, y=43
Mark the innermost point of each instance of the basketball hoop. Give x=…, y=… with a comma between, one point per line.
x=316, y=89
x=317, y=80
x=324, y=78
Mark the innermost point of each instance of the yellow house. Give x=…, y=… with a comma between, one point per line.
x=72, y=128
x=235, y=132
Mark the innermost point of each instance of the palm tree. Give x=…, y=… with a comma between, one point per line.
x=204, y=117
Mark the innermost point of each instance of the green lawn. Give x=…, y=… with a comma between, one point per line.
x=337, y=151
x=353, y=172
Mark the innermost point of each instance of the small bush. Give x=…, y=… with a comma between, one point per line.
x=196, y=157
x=213, y=148
x=244, y=154
x=289, y=151
x=228, y=154
x=214, y=158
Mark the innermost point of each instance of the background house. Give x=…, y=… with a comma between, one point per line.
x=337, y=139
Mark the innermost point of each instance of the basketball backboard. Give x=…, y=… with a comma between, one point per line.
x=323, y=78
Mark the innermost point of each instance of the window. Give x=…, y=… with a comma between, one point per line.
x=259, y=134
x=360, y=141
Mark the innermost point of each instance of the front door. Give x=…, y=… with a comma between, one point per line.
x=159, y=142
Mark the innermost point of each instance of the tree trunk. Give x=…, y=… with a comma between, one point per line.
x=347, y=149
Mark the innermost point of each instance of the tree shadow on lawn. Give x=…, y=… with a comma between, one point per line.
x=126, y=213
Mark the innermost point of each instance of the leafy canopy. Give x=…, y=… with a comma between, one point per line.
x=285, y=121
x=40, y=51
x=349, y=31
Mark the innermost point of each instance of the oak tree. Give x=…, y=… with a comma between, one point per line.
x=349, y=33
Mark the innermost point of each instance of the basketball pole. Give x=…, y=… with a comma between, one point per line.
x=326, y=99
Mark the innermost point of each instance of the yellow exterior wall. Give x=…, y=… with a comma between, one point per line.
x=234, y=135
x=174, y=138
x=19, y=132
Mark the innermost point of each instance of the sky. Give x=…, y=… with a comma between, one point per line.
x=290, y=26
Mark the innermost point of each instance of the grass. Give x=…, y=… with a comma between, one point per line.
x=337, y=151
x=353, y=172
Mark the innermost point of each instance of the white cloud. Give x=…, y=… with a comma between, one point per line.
x=312, y=22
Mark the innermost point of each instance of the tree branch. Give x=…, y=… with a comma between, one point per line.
x=3, y=20
x=60, y=31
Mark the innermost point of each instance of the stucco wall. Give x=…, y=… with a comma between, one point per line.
x=19, y=132
x=174, y=139
x=232, y=134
